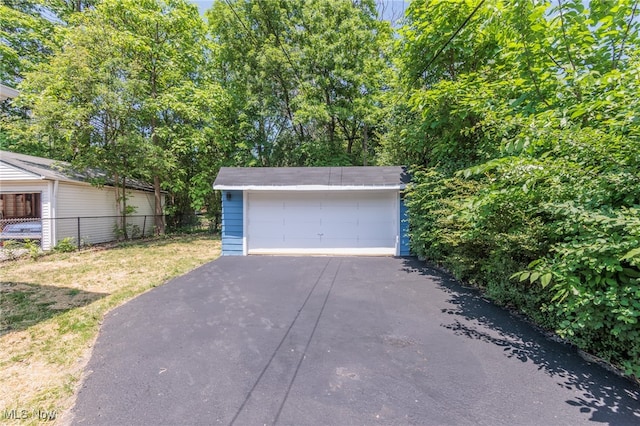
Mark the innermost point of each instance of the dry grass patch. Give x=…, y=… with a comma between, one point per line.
x=51, y=311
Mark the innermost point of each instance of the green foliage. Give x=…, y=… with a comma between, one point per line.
x=306, y=78
x=26, y=38
x=129, y=231
x=66, y=245
x=13, y=249
x=130, y=92
x=35, y=251
x=527, y=162
x=593, y=275
x=146, y=90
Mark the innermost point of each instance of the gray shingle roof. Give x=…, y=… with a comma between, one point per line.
x=245, y=177
x=60, y=170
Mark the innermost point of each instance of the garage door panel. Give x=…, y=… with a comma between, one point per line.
x=342, y=219
x=297, y=243
x=267, y=234
x=300, y=231
x=329, y=222
x=270, y=210
x=309, y=224
x=370, y=232
x=329, y=239
x=374, y=224
x=267, y=228
x=302, y=209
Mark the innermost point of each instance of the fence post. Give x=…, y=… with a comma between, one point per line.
x=78, y=233
x=144, y=225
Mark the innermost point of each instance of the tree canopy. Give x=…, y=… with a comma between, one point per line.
x=306, y=77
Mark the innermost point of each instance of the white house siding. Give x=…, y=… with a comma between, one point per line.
x=91, y=205
x=143, y=201
x=145, y=206
x=7, y=92
x=45, y=188
x=9, y=173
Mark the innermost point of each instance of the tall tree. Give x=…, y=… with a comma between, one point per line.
x=28, y=33
x=128, y=93
x=26, y=38
x=305, y=77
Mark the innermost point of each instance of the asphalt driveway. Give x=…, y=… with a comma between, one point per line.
x=337, y=341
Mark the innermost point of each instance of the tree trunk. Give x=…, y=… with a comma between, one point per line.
x=116, y=182
x=365, y=148
x=159, y=218
x=125, y=234
x=157, y=191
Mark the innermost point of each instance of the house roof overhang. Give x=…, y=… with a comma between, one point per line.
x=47, y=169
x=7, y=92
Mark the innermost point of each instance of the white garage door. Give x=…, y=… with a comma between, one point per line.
x=322, y=222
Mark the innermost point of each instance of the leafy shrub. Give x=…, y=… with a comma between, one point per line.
x=553, y=231
x=132, y=231
x=35, y=251
x=532, y=150
x=594, y=276
x=66, y=245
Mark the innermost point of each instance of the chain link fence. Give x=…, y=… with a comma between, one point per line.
x=87, y=231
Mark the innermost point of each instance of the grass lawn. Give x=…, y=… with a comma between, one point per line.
x=51, y=310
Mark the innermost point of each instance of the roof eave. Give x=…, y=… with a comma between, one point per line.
x=22, y=169
x=308, y=187
x=7, y=92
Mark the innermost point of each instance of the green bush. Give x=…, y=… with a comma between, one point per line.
x=35, y=251
x=594, y=275
x=66, y=245
x=553, y=232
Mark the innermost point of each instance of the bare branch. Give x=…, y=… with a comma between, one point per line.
x=615, y=62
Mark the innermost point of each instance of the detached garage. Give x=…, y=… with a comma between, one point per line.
x=313, y=210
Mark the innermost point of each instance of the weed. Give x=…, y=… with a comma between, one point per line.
x=35, y=251
x=66, y=245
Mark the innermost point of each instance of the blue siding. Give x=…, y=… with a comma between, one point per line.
x=232, y=223
x=404, y=229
